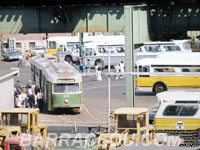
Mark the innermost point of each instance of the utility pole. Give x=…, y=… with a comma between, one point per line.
x=81, y=44
x=1, y=51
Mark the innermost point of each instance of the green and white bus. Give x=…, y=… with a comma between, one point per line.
x=60, y=82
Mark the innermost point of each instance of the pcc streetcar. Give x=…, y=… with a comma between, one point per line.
x=60, y=82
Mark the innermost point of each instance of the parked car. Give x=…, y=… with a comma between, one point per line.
x=11, y=54
x=38, y=50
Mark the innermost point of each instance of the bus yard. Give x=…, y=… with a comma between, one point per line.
x=95, y=103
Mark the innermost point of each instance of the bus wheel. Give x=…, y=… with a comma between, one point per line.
x=68, y=59
x=159, y=88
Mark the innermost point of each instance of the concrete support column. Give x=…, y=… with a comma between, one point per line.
x=129, y=46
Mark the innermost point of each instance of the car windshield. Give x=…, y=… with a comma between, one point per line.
x=12, y=52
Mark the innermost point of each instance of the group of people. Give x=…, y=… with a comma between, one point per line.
x=20, y=60
x=82, y=66
x=28, y=96
x=119, y=67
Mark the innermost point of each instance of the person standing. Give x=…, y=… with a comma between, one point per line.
x=31, y=99
x=17, y=85
x=20, y=61
x=27, y=60
x=78, y=65
x=102, y=66
x=121, y=65
x=40, y=97
x=117, y=67
x=88, y=66
x=99, y=78
x=83, y=66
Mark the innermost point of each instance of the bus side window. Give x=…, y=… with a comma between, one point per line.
x=172, y=110
x=94, y=52
x=188, y=110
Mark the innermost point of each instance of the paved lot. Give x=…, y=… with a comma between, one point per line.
x=95, y=99
x=94, y=112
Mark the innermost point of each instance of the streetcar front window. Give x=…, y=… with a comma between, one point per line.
x=66, y=88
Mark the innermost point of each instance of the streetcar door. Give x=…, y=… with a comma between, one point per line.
x=49, y=96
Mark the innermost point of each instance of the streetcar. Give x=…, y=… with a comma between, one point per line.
x=60, y=82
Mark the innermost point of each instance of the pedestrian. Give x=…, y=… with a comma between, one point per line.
x=17, y=85
x=99, y=78
x=33, y=87
x=24, y=96
x=27, y=60
x=121, y=66
x=78, y=65
x=83, y=66
x=102, y=66
x=29, y=84
x=31, y=99
x=88, y=66
x=40, y=97
x=20, y=61
x=117, y=67
x=96, y=69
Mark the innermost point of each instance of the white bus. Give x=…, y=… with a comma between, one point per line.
x=174, y=70
x=153, y=49
x=97, y=51
x=178, y=110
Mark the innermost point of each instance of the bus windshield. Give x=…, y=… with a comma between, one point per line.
x=66, y=88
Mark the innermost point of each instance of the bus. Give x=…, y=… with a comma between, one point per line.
x=68, y=43
x=178, y=110
x=153, y=49
x=165, y=73
x=60, y=82
x=62, y=44
x=97, y=51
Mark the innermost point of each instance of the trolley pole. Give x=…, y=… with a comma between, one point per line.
x=109, y=91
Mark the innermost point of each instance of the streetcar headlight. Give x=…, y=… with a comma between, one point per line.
x=66, y=101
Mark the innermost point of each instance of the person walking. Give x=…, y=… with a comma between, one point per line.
x=88, y=66
x=117, y=67
x=121, y=66
x=83, y=66
x=31, y=99
x=40, y=97
x=20, y=61
x=78, y=63
x=27, y=60
x=99, y=78
x=102, y=66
